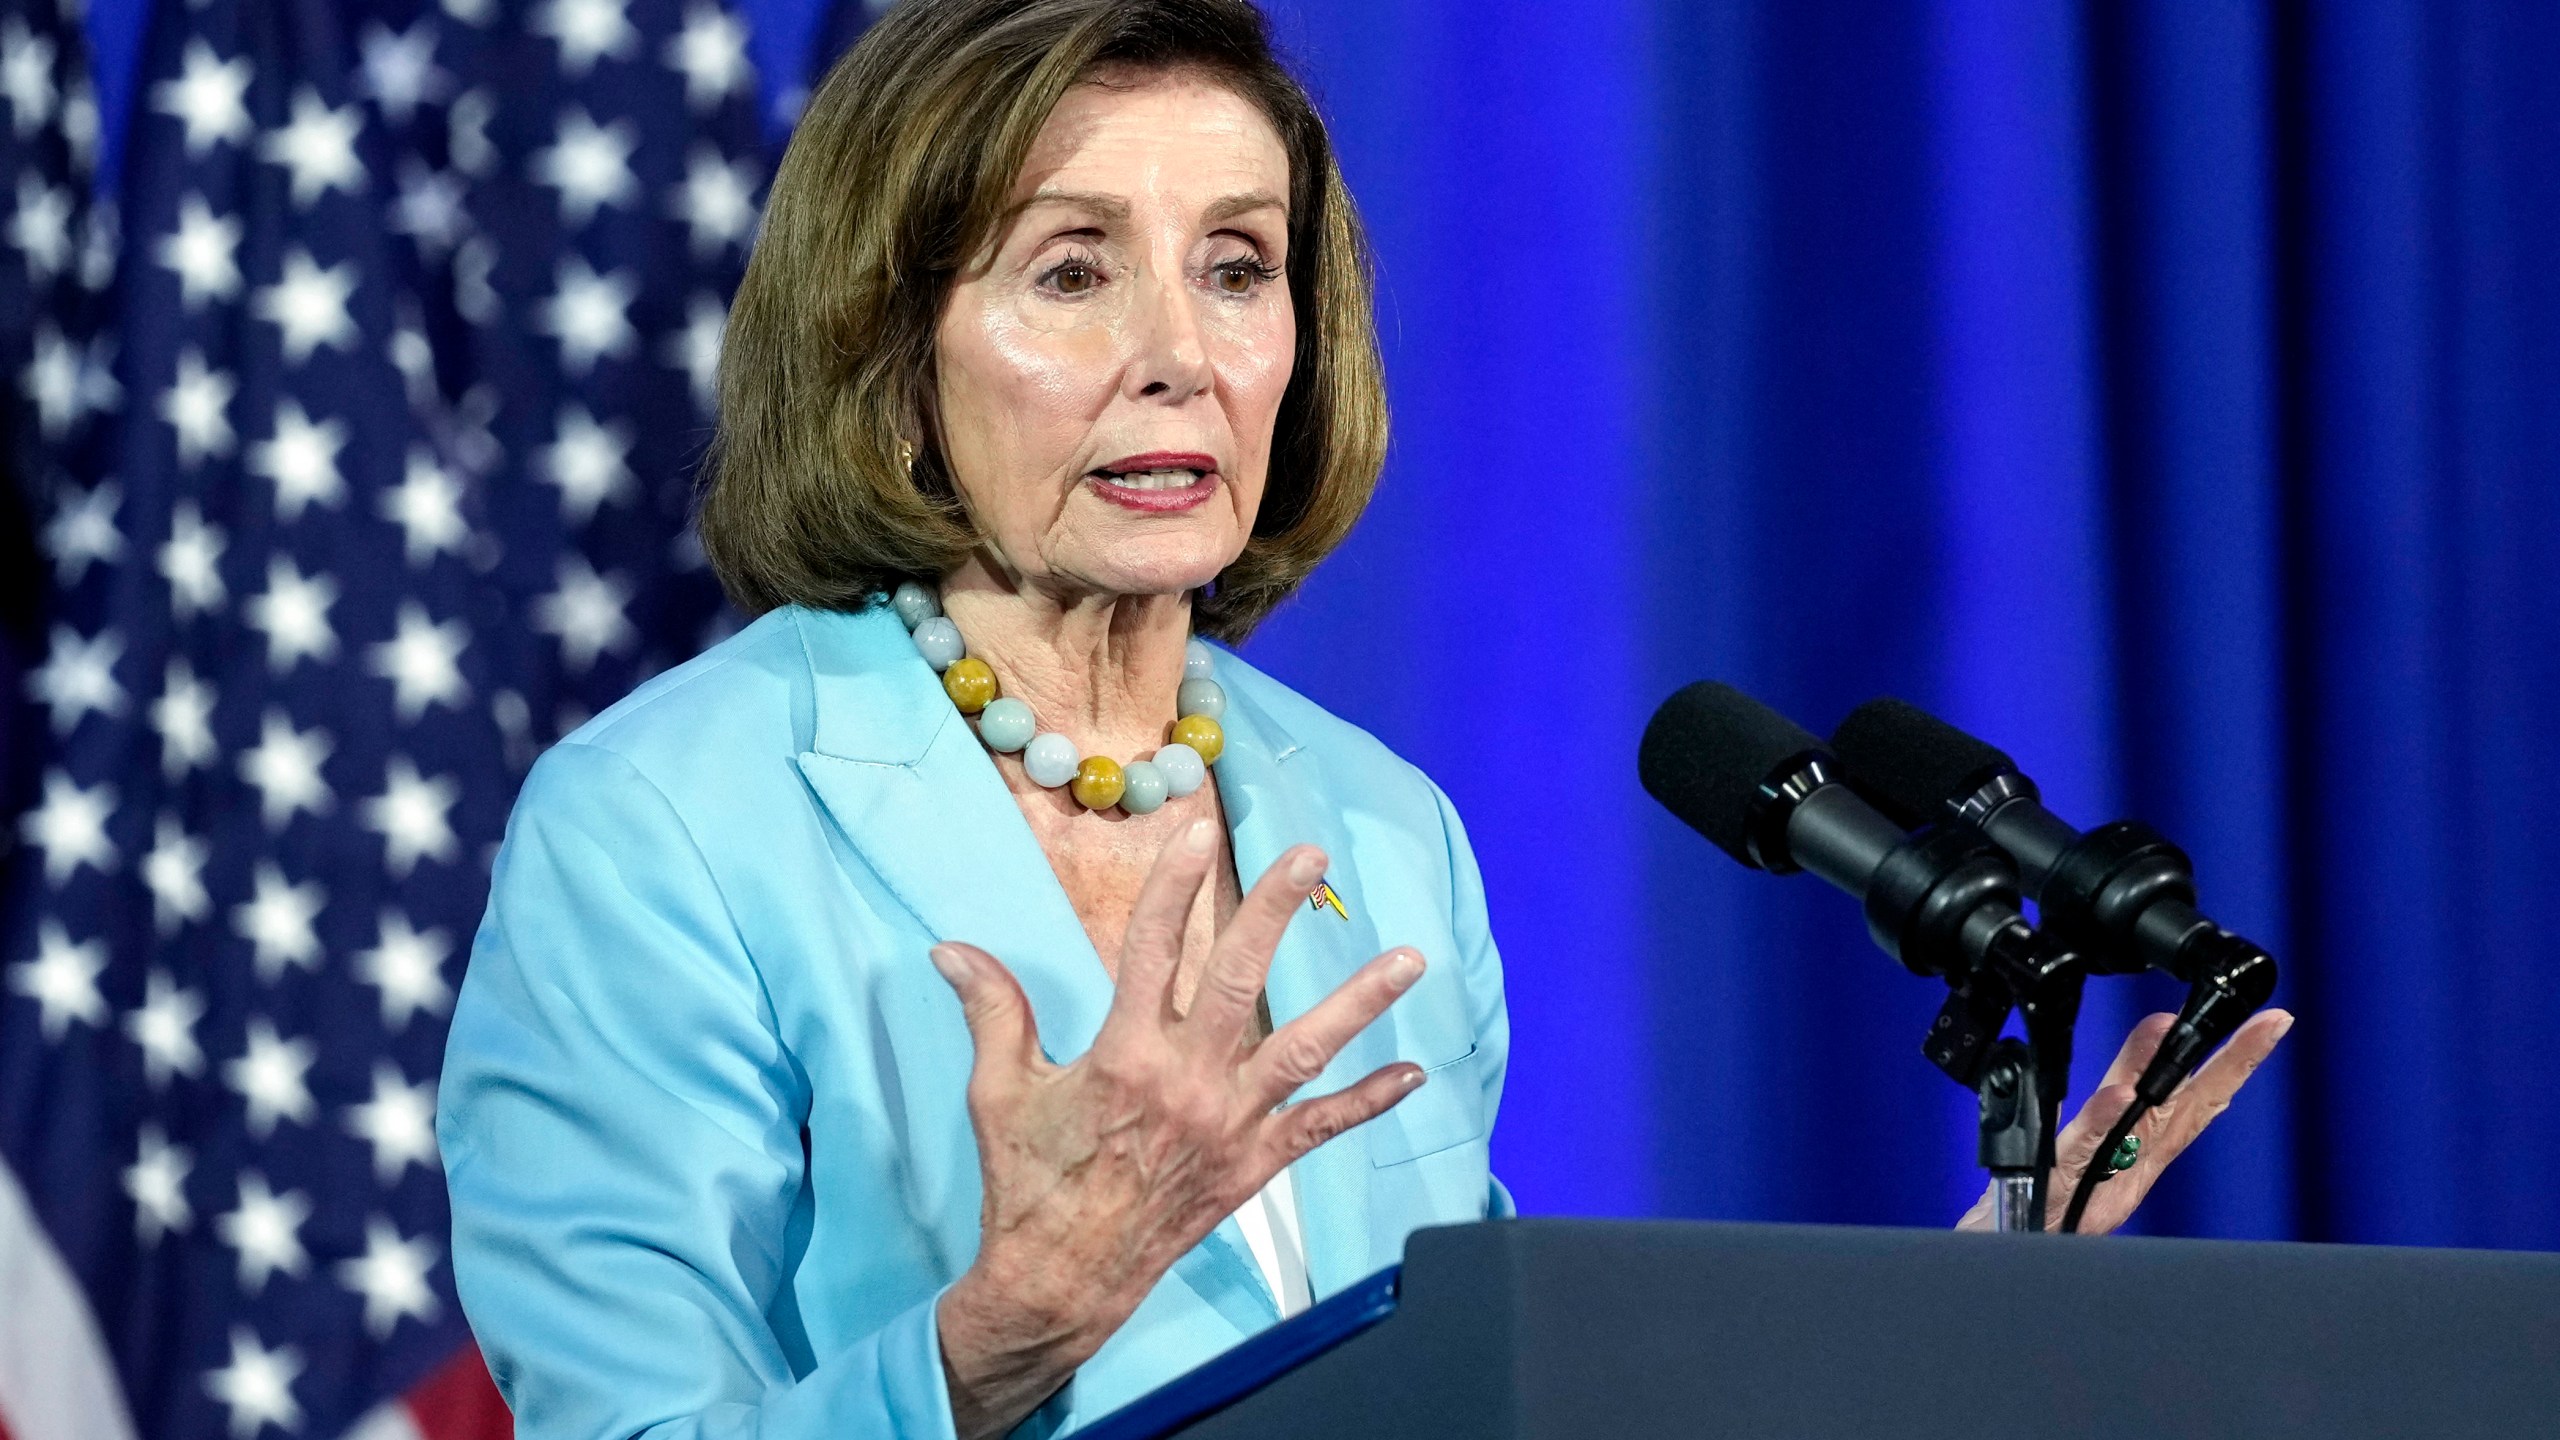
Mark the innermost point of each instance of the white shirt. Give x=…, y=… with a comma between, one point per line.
x=1270, y=1224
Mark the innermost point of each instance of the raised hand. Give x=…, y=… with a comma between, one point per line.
x=1101, y=1173
x=2165, y=1133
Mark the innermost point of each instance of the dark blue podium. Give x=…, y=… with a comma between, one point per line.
x=1544, y=1329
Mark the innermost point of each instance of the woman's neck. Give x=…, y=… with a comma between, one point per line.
x=1100, y=669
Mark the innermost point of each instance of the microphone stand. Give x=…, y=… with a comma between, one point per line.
x=2019, y=1084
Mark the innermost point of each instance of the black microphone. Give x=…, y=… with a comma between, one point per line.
x=1767, y=793
x=2120, y=893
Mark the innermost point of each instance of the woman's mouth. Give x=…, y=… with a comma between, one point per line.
x=1156, y=483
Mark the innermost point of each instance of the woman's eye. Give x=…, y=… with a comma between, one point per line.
x=1075, y=278
x=1240, y=277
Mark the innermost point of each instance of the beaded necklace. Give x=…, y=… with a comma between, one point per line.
x=1006, y=725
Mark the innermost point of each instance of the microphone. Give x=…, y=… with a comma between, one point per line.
x=1944, y=902
x=1767, y=793
x=2121, y=892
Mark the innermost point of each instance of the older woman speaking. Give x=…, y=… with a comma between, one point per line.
x=1055, y=353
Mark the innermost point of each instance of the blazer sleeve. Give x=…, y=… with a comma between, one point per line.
x=1481, y=967
x=621, y=1126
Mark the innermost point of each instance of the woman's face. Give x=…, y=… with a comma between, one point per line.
x=1110, y=369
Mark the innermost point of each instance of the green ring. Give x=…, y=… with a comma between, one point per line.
x=2127, y=1153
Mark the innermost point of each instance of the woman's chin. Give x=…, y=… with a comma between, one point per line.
x=1157, y=564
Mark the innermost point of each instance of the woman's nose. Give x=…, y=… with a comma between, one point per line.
x=1172, y=355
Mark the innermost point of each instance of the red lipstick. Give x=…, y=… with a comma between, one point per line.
x=1154, y=500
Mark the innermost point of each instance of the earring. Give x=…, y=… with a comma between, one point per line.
x=907, y=459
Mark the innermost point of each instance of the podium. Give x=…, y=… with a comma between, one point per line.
x=1546, y=1329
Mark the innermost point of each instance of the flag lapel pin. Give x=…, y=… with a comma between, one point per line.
x=1323, y=898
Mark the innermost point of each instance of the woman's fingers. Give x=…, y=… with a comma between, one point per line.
x=1151, y=947
x=1242, y=958
x=1001, y=1028
x=1301, y=1128
x=2076, y=1149
x=2208, y=1092
x=1298, y=1051
x=2166, y=1132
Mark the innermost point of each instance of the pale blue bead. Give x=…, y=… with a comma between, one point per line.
x=1146, y=787
x=1183, y=768
x=1006, y=724
x=1198, y=660
x=1200, y=697
x=938, y=641
x=1050, y=759
x=914, y=604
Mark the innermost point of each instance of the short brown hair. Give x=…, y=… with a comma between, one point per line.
x=901, y=170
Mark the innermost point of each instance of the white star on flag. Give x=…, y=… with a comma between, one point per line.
x=407, y=966
x=285, y=767
x=400, y=69
x=294, y=615
x=277, y=922
x=165, y=1028
x=198, y=406
x=70, y=826
x=588, y=30
x=309, y=306
x=26, y=75
x=62, y=980
x=318, y=146
x=420, y=661
x=589, y=314
x=266, y=1229
x=391, y=1275
x=209, y=98
x=57, y=378
x=587, y=461
x=399, y=1122
x=174, y=869
x=203, y=252
x=695, y=349
x=41, y=227
x=589, y=164
x=257, y=1386
x=586, y=612
x=711, y=53
x=410, y=814
x=83, y=531
x=183, y=715
x=191, y=561
x=269, y=1076
x=717, y=201
x=427, y=506
x=156, y=1182
x=429, y=208
x=301, y=459
x=78, y=676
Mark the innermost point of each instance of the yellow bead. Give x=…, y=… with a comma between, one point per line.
x=970, y=684
x=1202, y=734
x=1098, y=784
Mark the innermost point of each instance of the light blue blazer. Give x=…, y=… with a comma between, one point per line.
x=703, y=1109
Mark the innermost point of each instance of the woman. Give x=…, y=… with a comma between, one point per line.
x=1058, y=332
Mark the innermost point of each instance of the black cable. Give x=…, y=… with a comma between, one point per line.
x=2096, y=1172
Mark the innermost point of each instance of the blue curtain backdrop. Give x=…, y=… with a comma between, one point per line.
x=2170, y=392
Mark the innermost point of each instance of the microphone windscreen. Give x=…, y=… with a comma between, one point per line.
x=1911, y=763
x=1705, y=754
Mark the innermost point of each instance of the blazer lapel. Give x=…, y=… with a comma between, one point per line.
x=914, y=793
x=1274, y=798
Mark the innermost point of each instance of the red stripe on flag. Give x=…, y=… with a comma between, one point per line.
x=457, y=1402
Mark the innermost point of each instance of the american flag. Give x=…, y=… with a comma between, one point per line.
x=412, y=327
